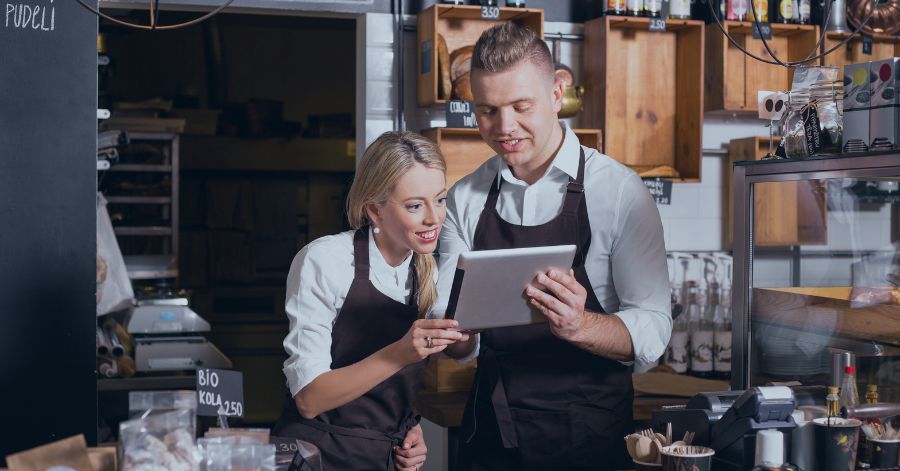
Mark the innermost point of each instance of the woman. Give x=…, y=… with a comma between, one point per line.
x=356, y=303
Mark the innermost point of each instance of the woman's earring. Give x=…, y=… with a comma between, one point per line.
x=376, y=230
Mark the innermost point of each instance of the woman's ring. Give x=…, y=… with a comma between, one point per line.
x=428, y=342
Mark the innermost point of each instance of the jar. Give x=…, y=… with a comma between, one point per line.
x=827, y=98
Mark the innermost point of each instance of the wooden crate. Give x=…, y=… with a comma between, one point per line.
x=733, y=79
x=883, y=47
x=786, y=213
x=459, y=25
x=645, y=90
x=465, y=150
x=447, y=375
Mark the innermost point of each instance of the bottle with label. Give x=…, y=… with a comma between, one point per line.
x=677, y=353
x=701, y=316
x=680, y=9
x=761, y=9
x=652, y=8
x=864, y=451
x=802, y=12
x=738, y=9
x=635, y=7
x=616, y=7
x=784, y=11
x=722, y=336
x=515, y=3
x=849, y=394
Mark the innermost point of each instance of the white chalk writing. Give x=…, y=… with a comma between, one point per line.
x=31, y=16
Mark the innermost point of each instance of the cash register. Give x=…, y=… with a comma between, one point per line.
x=727, y=421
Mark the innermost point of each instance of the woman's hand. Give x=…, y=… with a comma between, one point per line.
x=410, y=455
x=427, y=337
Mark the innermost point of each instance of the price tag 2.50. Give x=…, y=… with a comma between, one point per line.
x=490, y=13
x=220, y=392
x=657, y=25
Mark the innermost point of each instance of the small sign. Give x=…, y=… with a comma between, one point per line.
x=426, y=58
x=763, y=32
x=660, y=190
x=220, y=392
x=460, y=114
x=867, y=44
x=490, y=13
x=657, y=25
x=811, y=128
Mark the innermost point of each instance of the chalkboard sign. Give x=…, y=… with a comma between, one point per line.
x=811, y=127
x=657, y=25
x=764, y=31
x=460, y=114
x=660, y=190
x=867, y=44
x=48, y=184
x=220, y=392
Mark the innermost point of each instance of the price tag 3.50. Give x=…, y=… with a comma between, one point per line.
x=490, y=13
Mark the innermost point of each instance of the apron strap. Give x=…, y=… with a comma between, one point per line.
x=361, y=254
x=572, y=204
x=494, y=387
x=395, y=439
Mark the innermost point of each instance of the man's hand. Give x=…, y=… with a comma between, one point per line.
x=563, y=305
x=410, y=455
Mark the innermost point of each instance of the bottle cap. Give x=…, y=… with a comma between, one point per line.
x=769, y=448
x=850, y=370
x=833, y=389
x=872, y=388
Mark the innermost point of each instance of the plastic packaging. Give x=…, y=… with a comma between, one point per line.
x=161, y=442
x=232, y=453
x=147, y=403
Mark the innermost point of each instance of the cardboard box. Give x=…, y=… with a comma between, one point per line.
x=884, y=127
x=857, y=104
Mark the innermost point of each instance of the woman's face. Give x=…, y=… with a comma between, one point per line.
x=412, y=216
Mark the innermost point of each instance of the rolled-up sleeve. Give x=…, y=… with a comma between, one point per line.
x=639, y=272
x=310, y=306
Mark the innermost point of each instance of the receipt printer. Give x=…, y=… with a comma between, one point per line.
x=728, y=421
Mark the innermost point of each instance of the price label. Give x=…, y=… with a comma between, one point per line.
x=763, y=32
x=660, y=190
x=220, y=392
x=490, y=13
x=460, y=114
x=657, y=25
x=811, y=128
x=867, y=44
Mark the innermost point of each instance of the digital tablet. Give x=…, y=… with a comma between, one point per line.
x=489, y=285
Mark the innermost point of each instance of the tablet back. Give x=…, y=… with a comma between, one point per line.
x=489, y=285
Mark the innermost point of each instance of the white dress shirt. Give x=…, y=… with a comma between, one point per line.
x=317, y=285
x=626, y=262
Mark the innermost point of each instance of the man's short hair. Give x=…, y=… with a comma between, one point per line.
x=505, y=45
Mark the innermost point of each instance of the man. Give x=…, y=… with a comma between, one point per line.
x=555, y=395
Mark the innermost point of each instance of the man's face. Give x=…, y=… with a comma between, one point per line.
x=516, y=112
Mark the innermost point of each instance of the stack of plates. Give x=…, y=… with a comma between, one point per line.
x=855, y=145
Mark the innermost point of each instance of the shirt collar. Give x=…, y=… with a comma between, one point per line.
x=566, y=159
x=377, y=261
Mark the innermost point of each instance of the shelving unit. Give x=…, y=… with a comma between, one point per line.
x=788, y=213
x=645, y=90
x=147, y=167
x=733, y=79
x=465, y=150
x=459, y=25
x=883, y=47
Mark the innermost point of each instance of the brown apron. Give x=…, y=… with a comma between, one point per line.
x=361, y=434
x=539, y=402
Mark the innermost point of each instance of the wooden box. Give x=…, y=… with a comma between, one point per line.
x=465, y=150
x=645, y=90
x=883, y=47
x=459, y=25
x=733, y=79
x=785, y=213
x=447, y=375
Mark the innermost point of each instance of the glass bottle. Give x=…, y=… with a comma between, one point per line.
x=849, y=395
x=515, y=3
x=616, y=7
x=722, y=336
x=761, y=9
x=833, y=402
x=784, y=11
x=701, y=318
x=864, y=451
x=680, y=9
x=677, y=353
x=635, y=7
x=652, y=8
x=803, y=12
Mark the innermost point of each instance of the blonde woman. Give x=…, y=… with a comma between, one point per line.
x=357, y=303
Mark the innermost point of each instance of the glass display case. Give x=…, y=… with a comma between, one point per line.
x=817, y=271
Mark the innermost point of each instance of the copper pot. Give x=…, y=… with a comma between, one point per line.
x=885, y=20
x=572, y=100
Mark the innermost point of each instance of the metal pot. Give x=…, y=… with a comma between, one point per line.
x=572, y=100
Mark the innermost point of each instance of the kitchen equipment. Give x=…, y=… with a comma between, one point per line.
x=153, y=354
x=573, y=95
x=885, y=20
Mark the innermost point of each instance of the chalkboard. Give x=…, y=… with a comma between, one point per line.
x=48, y=145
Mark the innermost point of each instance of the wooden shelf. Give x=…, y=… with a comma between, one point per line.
x=645, y=90
x=883, y=47
x=141, y=168
x=268, y=155
x=733, y=79
x=460, y=26
x=143, y=231
x=465, y=150
x=139, y=199
x=785, y=213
